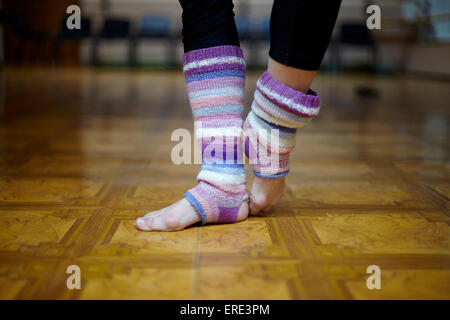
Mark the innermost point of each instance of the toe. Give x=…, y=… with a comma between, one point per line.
x=254, y=210
x=265, y=194
x=143, y=224
x=151, y=223
x=243, y=211
x=256, y=205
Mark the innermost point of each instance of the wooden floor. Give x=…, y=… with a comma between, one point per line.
x=83, y=153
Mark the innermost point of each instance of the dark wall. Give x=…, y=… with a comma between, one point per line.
x=44, y=17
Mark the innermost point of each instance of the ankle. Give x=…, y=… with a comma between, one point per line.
x=294, y=78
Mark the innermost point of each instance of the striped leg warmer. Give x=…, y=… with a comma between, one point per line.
x=271, y=126
x=215, y=81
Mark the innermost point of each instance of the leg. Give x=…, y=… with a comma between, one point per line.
x=297, y=79
x=300, y=32
x=214, y=68
x=208, y=24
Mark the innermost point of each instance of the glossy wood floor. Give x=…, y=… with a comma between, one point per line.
x=83, y=153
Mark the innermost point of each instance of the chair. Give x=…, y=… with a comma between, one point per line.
x=356, y=35
x=243, y=26
x=65, y=34
x=155, y=27
x=77, y=34
x=113, y=29
x=24, y=32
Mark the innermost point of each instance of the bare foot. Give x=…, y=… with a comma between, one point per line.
x=265, y=193
x=177, y=217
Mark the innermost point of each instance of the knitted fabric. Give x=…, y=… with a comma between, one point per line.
x=215, y=81
x=271, y=126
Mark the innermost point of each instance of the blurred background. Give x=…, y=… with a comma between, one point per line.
x=415, y=35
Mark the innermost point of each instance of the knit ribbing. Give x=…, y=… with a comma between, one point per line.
x=271, y=126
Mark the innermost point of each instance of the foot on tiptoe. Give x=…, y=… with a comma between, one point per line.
x=265, y=193
x=177, y=216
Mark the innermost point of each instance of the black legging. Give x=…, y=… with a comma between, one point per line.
x=300, y=30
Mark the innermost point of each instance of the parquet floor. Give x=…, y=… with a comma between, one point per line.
x=82, y=153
